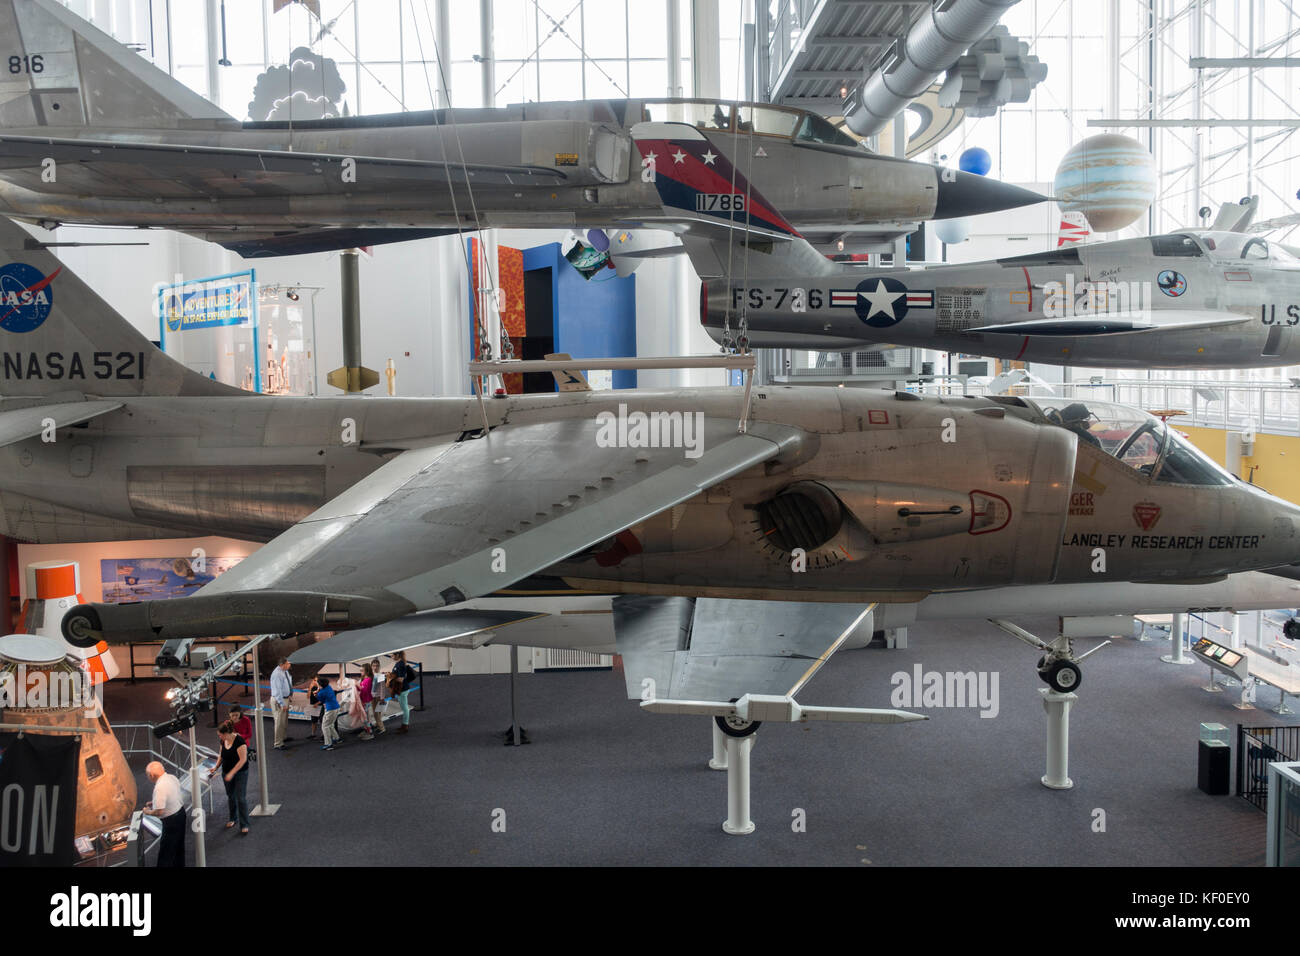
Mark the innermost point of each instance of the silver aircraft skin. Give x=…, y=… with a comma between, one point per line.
x=1195, y=299
x=377, y=508
x=130, y=146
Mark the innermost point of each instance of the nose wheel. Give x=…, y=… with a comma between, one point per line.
x=1062, y=675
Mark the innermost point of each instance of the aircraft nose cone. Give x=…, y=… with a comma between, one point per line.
x=971, y=195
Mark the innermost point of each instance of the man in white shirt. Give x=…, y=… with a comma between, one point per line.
x=281, y=691
x=170, y=809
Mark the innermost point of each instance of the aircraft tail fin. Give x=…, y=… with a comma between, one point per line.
x=1074, y=228
x=568, y=380
x=57, y=336
x=730, y=227
x=63, y=72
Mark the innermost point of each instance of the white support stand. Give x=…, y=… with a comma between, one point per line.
x=1213, y=687
x=719, y=759
x=1057, y=706
x=1175, y=655
x=896, y=637
x=738, y=821
x=266, y=808
x=1235, y=640
x=1247, y=701
x=198, y=815
x=1140, y=631
x=1282, y=709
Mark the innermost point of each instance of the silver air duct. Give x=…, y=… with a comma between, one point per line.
x=912, y=64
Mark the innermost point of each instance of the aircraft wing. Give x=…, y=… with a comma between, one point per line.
x=111, y=168
x=1113, y=323
x=414, y=630
x=437, y=526
x=19, y=424
x=722, y=649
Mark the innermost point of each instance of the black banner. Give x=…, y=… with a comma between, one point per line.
x=38, y=799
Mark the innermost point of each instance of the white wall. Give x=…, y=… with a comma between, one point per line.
x=414, y=299
x=89, y=555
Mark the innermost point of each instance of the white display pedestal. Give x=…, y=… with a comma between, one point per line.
x=1175, y=655
x=1057, y=706
x=719, y=759
x=738, y=821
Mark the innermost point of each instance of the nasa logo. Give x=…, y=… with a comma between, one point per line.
x=1171, y=283
x=883, y=301
x=1146, y=514
x=25, y=297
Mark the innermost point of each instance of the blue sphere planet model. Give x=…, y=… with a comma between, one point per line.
x=975, y=160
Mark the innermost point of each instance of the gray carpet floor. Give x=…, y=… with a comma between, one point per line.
x=603, y=783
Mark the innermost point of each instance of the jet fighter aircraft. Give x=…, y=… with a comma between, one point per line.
x=1196, y=299
x=91, y=132
x=1193, y=300
x=375, y=509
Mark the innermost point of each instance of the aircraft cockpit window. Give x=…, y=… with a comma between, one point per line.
x=1184, y=464
x=765, y=122
x=1176, y=245
x=1124, y=433
x=1237, y=246
x=814, y=129
x=701, y=115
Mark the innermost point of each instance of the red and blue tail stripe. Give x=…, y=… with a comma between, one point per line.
x=693, y=175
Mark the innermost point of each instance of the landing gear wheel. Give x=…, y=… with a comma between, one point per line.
x=1064, y=676
x=81, y=627
x=734, y=726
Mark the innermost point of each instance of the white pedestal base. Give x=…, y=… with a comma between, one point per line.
x=738, y=821
x=719, y=759
x=1057, y=706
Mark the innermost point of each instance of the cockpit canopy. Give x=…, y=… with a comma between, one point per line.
x=1136, y=439
x=745, y=118
x=1226, y=246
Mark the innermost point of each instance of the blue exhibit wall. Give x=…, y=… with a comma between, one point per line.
x=593, y=318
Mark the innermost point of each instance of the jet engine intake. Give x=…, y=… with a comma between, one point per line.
x=805, y=515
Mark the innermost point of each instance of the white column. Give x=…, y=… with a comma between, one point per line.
x=674, y=48
x=487, y=52
x=213, y=22
x=196, y=804
x=738, y=822
x=442, y=14
x=1175, y=655
x=719, y=759
x=264, y=808
x=704, y=49
x=1058, y=707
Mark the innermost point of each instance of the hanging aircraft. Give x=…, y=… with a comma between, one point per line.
x=1196, y=299
x=91, y=132
x=376, y=509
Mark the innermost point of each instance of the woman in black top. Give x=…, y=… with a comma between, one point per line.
x=234, y=771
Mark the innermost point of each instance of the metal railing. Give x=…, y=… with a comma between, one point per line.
x=1257, y=747
x=138, y=740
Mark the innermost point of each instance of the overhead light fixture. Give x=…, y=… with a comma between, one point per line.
x=292, y=295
